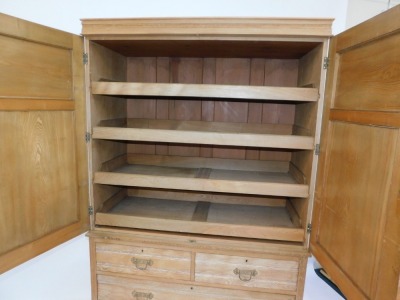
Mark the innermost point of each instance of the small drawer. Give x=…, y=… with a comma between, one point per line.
x=143, y=261
x=247, y=271
x=110, y=287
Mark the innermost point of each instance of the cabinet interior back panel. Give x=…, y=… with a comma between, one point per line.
x=230, y=71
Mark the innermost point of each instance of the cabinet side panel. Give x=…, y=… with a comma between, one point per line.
x=305, y=123
x=106, y=65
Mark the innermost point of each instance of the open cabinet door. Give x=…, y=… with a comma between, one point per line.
x=356, y=223
x=43, y=169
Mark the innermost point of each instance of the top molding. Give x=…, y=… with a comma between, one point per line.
x=206, y=28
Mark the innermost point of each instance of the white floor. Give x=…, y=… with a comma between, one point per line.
x=316, y=288
x=64, y=274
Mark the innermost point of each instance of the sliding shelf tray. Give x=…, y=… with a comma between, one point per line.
x=248, y=221
x=198, y=132
x=247, y=93
x=205, y=175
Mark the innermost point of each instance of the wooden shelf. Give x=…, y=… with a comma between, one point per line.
x=247, y=93
x=212, y=133
x=205, y=175
x=248, y=221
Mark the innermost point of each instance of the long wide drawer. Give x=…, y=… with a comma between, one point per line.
x=143, y=261
x=119, y=288
x=240, y=271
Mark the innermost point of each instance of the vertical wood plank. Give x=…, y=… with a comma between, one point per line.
x=257, y=73
x=207, y=107
x=80, y=117
x=162, y=109
x=279, y=72
x=231, y=71
x=185, y=70
x=141, y=70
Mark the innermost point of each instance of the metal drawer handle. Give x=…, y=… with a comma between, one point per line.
x=141, y=264
x=140, y=296
x=245, y=275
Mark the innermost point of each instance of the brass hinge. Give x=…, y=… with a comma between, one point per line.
x=317, y=149
x=85, y=58
x=87, y=137
x=140, y=295
x=326, y=62
x=309, y=228
x=90, y=210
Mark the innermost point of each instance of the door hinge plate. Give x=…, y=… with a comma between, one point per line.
x=326, y=62
x=317, y=149
x=309, y=228
x=85, y=58
x=90, y=210
x=87, y=137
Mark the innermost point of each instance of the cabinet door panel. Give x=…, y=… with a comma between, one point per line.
x=38, y=173
x=43, y=190
x=356, y=222
x=358, y=176
x=370, y=73
x=42, y=72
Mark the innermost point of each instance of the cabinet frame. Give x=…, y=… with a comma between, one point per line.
x=209, y=38
x=184, y=41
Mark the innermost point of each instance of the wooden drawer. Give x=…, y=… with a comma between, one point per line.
x=143, y=261
x=247, y=271
x=118, y=288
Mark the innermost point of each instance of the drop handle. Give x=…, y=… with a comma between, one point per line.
x=245, y=275
x=141, y=264
x=142, y=296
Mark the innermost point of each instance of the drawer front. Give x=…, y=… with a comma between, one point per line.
x=123, y=289
x=247, y=271
x=143, y=261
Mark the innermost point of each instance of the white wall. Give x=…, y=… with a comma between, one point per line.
x=361, y=10
x=63, y=273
